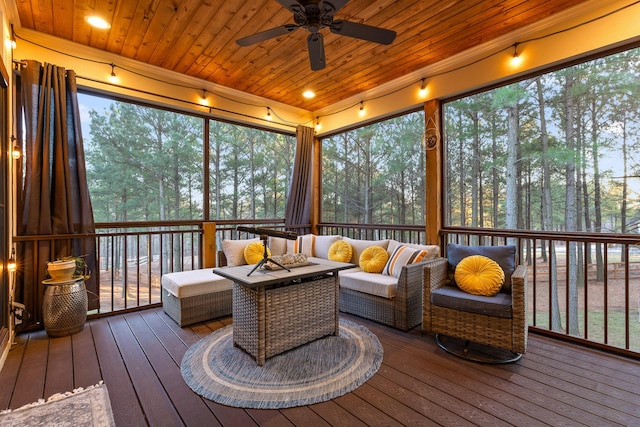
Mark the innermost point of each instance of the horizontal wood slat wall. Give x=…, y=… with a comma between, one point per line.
x=198, y=39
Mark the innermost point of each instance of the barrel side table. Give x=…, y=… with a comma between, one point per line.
x=64, y=307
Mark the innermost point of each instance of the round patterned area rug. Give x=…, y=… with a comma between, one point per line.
x=312, y=373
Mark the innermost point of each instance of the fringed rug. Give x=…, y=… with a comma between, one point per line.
x=81, y=407
x=312, y=373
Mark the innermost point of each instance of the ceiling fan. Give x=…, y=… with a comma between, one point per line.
x=314, y=15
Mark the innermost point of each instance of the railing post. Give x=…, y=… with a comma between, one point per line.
x=209, y=252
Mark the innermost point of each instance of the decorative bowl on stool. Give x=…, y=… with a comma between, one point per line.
x=61, y=270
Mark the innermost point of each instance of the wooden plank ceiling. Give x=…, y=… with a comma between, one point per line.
x=197, y=38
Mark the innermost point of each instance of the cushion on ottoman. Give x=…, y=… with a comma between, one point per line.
x=196, y=296
x=195, y=282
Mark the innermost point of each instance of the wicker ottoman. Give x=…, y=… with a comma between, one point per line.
x=196, y=296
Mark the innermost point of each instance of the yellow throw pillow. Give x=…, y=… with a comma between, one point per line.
x=254, y=252
x=373, y=259
x=340, y=251
x=479, y=275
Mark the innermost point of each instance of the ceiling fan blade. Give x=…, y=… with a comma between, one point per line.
x=296, y=8
x=363, y=31
x=315, y=44
x=266, y=35
x=290, y=4
x=336, y=5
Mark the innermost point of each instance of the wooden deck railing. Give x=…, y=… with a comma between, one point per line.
x=600, y=307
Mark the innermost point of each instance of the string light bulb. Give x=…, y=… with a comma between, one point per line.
x=203, y=97
x=516, y=59
x=423, y=89
x=113, y=78
x=268, y=113
x=362, y=112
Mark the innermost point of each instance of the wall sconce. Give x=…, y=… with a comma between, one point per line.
x=362, y=112
x=16, y=153
x=268, y=117
x=10, y=42
x=318, y=125
x=12, y=266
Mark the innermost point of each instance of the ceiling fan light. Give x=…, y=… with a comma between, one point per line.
x=97, y=22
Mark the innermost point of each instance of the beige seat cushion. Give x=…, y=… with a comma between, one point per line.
x=370, y=283
x=195, y=282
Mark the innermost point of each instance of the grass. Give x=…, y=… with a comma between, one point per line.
x=616, y=329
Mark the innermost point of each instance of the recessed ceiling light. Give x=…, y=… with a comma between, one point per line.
x=96, y=21
x=308, y=94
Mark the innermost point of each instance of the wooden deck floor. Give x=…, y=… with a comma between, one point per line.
x=138, y=357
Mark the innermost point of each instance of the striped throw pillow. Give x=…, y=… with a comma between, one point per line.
x=304, y=245
x=401, y=256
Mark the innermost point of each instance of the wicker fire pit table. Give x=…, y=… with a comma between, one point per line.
x=277, y=310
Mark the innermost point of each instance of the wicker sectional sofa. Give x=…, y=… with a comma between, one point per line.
x=384, y=298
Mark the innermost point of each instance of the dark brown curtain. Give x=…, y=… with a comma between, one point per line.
x=299, y=203
x=55, y=197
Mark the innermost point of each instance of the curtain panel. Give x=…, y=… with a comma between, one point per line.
x=55, y=196
x=298, y=211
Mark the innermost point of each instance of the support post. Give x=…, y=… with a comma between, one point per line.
x=209, y=252
x=434, y=173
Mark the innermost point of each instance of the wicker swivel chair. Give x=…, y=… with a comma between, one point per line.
x=499, y=321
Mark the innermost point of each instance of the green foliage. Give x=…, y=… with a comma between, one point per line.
x=146, y=164
x=592, y=121
x=375, y=174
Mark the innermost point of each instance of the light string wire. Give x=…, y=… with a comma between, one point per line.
x=285, y=122
x=114, y=66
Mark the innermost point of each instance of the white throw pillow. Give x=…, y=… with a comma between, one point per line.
x=234, y=251
x=322, y=245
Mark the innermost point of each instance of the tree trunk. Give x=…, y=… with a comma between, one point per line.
x=547, y=212
x=570, y=208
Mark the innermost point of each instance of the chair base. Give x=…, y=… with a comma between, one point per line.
x=476, y=352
